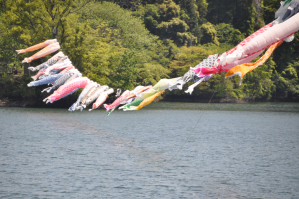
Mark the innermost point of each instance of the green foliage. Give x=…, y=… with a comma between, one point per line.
x=166, y=19
x=240, y=13
x=168, y=10
x=208, y=34
x=126, y=43
x=287, y=82
x=188, y=57
x=175, y=30
x=258, y=84
x=227, y=34
x=123, y=71
x=131, y=30
x=16, y=87
x=119, y=30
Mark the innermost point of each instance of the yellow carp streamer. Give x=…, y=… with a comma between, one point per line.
x=242, y=69
x=146, y=101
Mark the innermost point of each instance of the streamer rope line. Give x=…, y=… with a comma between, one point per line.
x=167, y=161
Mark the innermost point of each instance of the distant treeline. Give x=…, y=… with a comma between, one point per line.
x=124, y=43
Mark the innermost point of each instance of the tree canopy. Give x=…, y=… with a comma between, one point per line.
x=124, y=43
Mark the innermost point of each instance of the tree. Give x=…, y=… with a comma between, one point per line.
x=208, y=34
x=227, y=34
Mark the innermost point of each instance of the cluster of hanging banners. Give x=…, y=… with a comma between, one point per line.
x=65, y=79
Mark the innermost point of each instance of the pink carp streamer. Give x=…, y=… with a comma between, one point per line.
x=67, y=88
x=253, y=46
x=243, y=69
x=117, y=101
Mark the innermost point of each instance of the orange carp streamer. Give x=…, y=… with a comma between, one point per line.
x=146, y=101
x=45, y=51
x=37, y=46
x=243, y=69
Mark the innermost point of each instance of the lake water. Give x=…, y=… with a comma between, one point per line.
x=235, y=151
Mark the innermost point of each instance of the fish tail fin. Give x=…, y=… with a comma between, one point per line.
x=34, y=77
x=47, y=89
x=72, y=107
x=190, y=90
x=122, y=107
x=94, y=106
x=132, y=108
x=30, y=84
x=20, y=51
x=27, y=60
x=107, y=107
x=31, y=68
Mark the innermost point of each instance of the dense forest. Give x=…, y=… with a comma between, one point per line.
x=125, y=43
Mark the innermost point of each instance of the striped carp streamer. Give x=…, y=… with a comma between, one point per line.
x=85, y=91
x=57, y=57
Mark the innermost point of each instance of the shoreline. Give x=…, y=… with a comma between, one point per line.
x=65, y=103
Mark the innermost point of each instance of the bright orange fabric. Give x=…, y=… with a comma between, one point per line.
x=242, y=69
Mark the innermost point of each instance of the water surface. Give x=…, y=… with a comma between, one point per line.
x=234, y=151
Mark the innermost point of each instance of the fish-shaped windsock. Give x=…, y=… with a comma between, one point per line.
x=69, y=93
x=84, y=92
x=58, y=56
x=46, y=51
x=158, y=87
x=287, y=9
x=191, y=88
x=137, y=91
x=39, y=73
x=94, y=95
x=37, y=46
x=67, y=88
x=72, y=74
x=117, y=101
x=101, y=99
x=241, y=70
x=68, y=68
x=254, y=45
x=135, y=102
x=146, y=101
x=62, y=64
x=49, y=78
x=46, y=80
x=192, y=73
x=52, y=72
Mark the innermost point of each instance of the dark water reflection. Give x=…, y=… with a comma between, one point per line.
x=235, y=151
